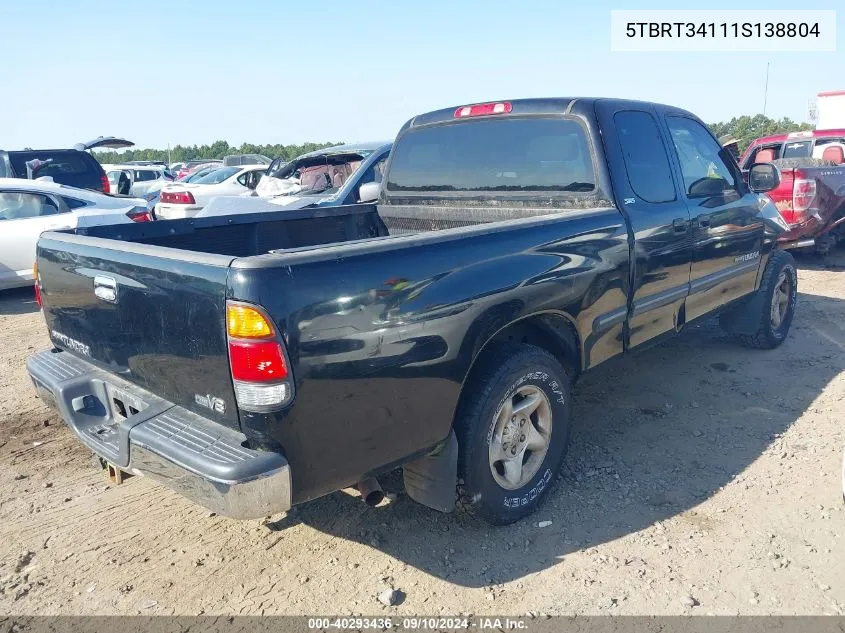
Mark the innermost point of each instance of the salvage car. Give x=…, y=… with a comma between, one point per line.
x=811, y=194
x=259, y=361
x=139, y=180
x=29, y=207
x=234, y=160
x=192, y=165
x=328, y=177
x=186, y=199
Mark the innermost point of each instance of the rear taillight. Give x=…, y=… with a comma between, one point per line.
x=803, y=194
x=483, y=109
x=259, y=370
x=177, y=197
x=106, y=185
x=37, y=283
x=257, y=361
x=139, y=214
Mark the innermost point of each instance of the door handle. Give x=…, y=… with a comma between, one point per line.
x=704, y=221
x=680, y=225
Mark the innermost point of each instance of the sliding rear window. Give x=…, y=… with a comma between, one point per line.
x=493, y=155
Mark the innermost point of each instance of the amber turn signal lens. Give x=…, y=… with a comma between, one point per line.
x=245, y=322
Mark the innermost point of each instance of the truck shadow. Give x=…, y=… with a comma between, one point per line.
x=655, y=436
x=18, y=301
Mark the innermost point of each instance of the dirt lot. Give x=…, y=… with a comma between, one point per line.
x=703, y=478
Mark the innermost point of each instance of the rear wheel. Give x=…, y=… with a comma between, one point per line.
x=513, y=430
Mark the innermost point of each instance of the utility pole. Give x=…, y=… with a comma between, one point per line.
x=766, y=89
x=169, y=162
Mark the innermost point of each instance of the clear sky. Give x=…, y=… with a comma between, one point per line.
x=287, y=72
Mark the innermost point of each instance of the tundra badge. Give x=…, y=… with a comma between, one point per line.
x=747, y=257
x=71, y=343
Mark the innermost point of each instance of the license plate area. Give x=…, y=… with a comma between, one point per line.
x=122, y=404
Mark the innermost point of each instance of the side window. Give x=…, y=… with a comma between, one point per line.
x=832, y=149
x=73, y=203
x=375, y=172
x=645, y=156
x=378, y=168
x=250, y=179
x=705, y=172
x=144, y=175
x=18, y=205
x=763, y=154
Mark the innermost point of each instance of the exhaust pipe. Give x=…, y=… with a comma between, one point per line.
x=371, y=492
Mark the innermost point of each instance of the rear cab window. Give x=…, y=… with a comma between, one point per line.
x=496, y=157
x=796, y=149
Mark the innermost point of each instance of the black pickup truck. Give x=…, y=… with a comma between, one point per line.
x=259, y=361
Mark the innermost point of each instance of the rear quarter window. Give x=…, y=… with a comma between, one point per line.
x=73, y=203
x=646, y=161
x=493, y=155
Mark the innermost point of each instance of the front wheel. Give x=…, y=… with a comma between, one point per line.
x=513, y=430
x=779, y=289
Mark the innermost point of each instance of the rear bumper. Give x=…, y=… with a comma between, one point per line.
x=176, y=211
x=16, y=279
x=143, y=434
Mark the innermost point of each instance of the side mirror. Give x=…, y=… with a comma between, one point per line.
x=369, y=191
x=763, y=177
x=708, y=188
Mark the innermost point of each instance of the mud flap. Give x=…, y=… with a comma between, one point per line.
x=431, y=479
x=744, y=318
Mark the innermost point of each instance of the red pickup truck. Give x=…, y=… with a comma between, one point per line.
x=811, y=194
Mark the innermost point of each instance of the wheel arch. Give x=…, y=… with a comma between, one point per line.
x=552, y=331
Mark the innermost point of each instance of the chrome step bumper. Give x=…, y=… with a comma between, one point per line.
x=143, y=434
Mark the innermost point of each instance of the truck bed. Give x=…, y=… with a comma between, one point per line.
x=272, y=231
x=253, y=234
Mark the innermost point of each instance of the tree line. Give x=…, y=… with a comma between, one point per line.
x=218, y=149
x=747, y=128
x=744, y=128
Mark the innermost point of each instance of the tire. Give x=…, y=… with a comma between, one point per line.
x=512, y=374
x=772, y=332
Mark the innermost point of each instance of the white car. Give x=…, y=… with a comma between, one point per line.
x=139, y=179
x=29, y=207
x=186, y=199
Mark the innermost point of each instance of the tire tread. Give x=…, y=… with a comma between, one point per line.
x=760, y=339
x=497, y=363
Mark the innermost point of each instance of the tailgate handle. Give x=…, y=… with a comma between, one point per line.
x=105, y=288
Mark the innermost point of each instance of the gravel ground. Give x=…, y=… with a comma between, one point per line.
x=703, y=478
